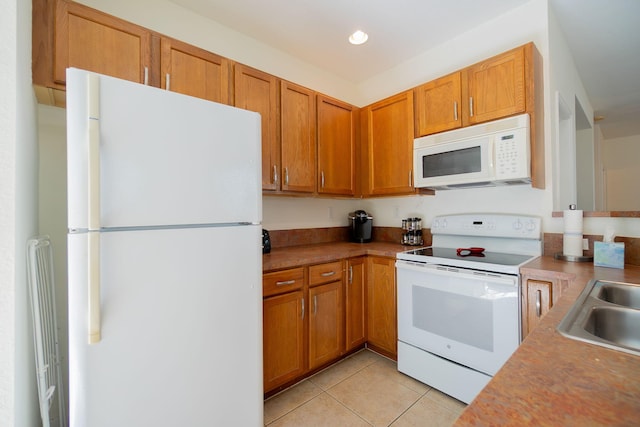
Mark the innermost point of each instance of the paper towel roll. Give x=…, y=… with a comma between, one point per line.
x=572, y=238
x=572, y=244
x=573, y=221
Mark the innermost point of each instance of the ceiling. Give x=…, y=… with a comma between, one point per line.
x=602, y=34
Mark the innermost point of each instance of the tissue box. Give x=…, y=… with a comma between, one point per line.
x=607, y=254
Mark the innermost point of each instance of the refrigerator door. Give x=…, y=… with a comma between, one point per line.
x=164, y=158
x=181, y=329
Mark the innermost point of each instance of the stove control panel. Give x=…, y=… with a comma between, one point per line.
x=491, y=225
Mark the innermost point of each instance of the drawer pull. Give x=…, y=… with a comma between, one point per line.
x=538, y=303
x=285, y=282
x=328, y=273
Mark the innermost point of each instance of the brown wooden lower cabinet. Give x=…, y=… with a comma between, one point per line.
x=283, y=339
x=326, y=323
x=314, y=315
x=382, y=327
x=355, y=313
x=539, y=293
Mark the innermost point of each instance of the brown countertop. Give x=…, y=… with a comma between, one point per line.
x=294, y=256
x=552, y=380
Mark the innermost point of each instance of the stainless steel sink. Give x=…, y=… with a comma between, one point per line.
x=620, y=294
x=606, y=314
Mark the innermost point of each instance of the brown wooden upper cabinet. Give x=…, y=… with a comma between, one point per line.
x=298, y=138
x=68, y=34
x=336, y=146
x=498, y=87
x=88, y=39
x=193, y=71
x=388, y=146
x=258, y=91
x=438, y=105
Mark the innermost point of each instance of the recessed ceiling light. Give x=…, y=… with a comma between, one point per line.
x=358, y=37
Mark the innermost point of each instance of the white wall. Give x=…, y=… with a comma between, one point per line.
x=620, y=158
x=52, y=146
x=18, y=215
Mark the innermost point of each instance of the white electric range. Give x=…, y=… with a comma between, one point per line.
x=459, y=300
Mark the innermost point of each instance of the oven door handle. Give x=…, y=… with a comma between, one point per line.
x=503, y=279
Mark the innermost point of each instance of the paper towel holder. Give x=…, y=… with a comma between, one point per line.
x=562, y=257
x=573, y=258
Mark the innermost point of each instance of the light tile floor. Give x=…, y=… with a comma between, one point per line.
x=363, y=390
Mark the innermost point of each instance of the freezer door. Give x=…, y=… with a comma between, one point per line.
x=181, y=329
x=164, y=158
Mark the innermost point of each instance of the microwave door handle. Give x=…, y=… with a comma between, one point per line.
x=492, y=156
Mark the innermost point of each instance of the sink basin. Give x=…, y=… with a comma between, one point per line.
x=606, y=314
x=619, y=326
x=620, y=294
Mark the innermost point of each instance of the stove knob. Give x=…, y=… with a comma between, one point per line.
x=531, y=226
x=436, y=224
x=517, y=225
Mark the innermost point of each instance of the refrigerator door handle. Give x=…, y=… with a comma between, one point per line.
x=93, y=164
x=94, y=288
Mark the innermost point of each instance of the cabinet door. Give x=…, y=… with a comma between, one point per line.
x=298, y=138
x=193, y=71
x=258, y=91
x=389, y=146
x=437, y=105
x=326, y=339
x=496, y=87
x=336, y=147
x=381, y=303
x=355, y=321
x=283, y=339
x=539, y=300
x=91, y=40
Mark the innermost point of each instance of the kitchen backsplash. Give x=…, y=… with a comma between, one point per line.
x=309, y=236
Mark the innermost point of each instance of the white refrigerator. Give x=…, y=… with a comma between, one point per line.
x=165, y=259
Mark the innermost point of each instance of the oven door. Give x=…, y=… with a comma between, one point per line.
x=467, y=316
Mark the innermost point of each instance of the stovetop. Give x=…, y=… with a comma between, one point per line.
x=509, y=240
x=488, y=261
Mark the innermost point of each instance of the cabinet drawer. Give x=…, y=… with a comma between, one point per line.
x=324, y=273
x=282, y=281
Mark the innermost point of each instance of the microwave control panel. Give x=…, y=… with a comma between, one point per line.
x=512, y=154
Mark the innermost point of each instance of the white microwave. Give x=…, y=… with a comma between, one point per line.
x=488, y=154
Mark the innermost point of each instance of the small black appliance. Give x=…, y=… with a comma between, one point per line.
x=266, y=242
x=361, y=226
